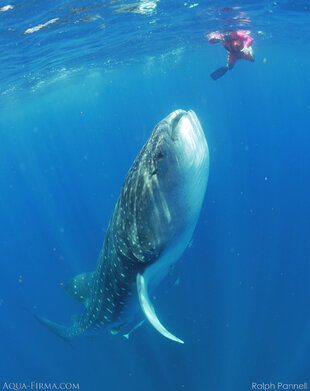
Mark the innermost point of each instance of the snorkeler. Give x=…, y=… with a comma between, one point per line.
x=238, y=44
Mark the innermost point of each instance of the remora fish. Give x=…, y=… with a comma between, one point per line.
x=152, y=224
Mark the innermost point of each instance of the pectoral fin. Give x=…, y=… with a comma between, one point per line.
x=149, y=311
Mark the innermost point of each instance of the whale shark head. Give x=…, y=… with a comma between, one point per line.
x=181, y=159
x=171, y=174
x=189, y=146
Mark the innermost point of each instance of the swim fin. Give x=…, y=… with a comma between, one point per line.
x=219, y=72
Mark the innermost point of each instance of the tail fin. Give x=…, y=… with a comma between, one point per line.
x=58, y=329
x=219, y=73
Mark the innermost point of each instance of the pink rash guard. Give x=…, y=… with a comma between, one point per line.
x=240, y=35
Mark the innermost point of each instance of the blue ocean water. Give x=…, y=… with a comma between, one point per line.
x=82, y=85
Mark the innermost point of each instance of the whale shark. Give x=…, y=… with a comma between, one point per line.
x=151, y=226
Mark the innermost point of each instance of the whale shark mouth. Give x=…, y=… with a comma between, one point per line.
x=185, y=122
x=175, y=121
x=186, y=133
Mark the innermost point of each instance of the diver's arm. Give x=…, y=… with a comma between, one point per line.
x=245, y=37
x=215, y=37
x=248, y=41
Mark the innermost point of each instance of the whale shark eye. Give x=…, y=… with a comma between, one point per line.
x=159, y=154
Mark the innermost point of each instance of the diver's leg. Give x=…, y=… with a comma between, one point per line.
x=231, y=60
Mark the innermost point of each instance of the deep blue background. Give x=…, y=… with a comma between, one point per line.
x=243, y=302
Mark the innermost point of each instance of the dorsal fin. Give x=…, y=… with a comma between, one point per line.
x=79, y=287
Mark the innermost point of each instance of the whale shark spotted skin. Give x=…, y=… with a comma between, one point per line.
x=152, y=224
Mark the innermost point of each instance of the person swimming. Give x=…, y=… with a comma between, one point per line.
x=238, y=44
